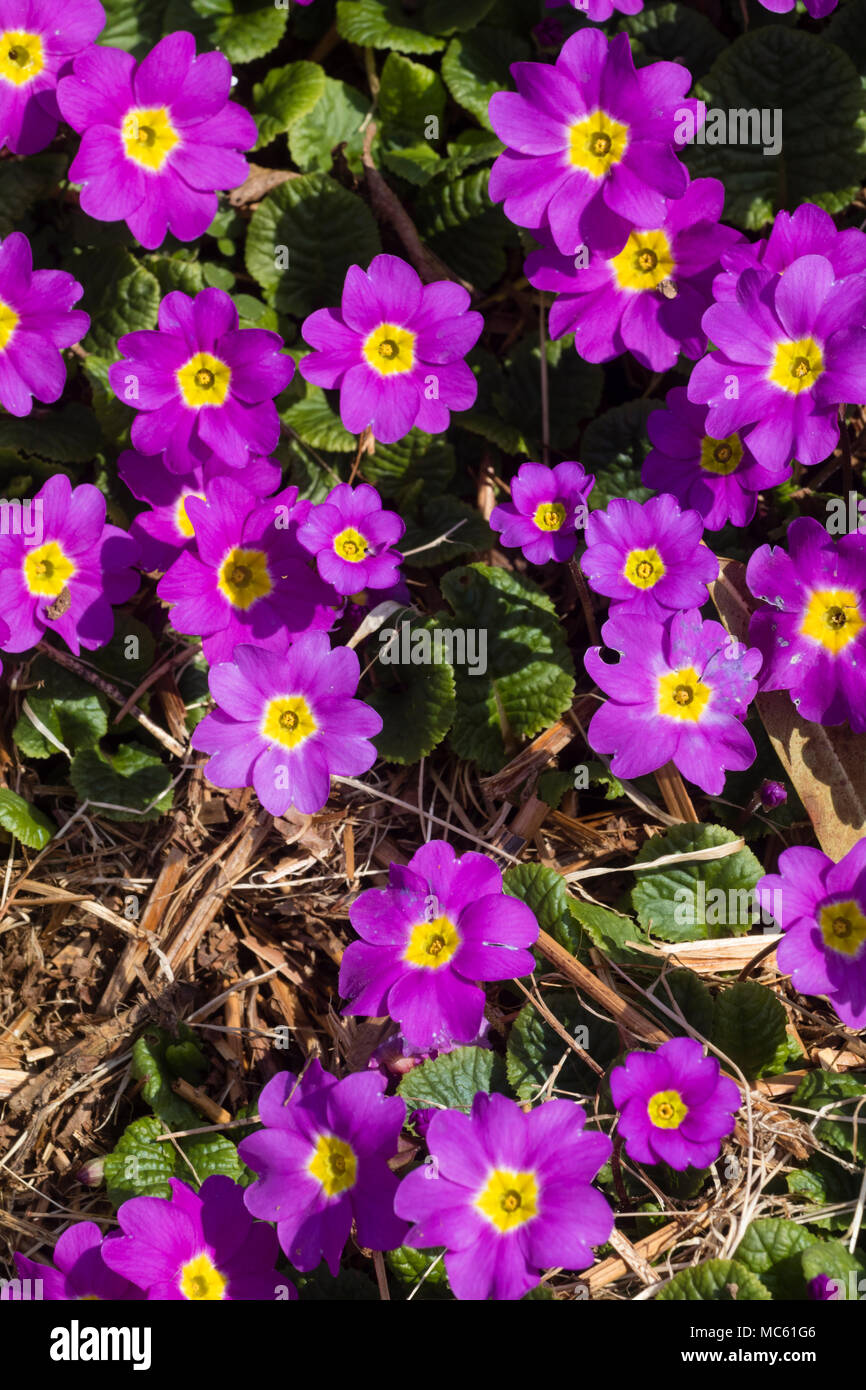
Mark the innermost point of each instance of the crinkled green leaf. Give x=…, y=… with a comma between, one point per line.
x=322, y=229
x=24, y=182
x=318, y=422
x=847, y=29
x=610, y=932
x=140, y=1166
x=119, y=295
x=126, y=781
x=476, y=65
x=336, y=117
x=715, y=1281
x=448, y=16
x=285, y=95
x=451, y=1081
x=130, y=654
x=838, y=1096
x=419, y=458
x=74, y=712
x=65, y=434
x=529, y=681
x=439, y=515
x=545, y=893
x=691, y=997
x=666, y=32
x=461, y=225
x=383, y=24
x=749, y=1026
x=700, y=900
x=613, y=449
x=212, y=1153
x=573, y=387
x=241, y=29
x=348, y=1286
x=823, y=1182
x=151, y=1064
x=416, y=699
x=409, y=95
x=27, y=823
x=817, y=89
x=772, y=1248
x=535, y=1049
x=409, y=1267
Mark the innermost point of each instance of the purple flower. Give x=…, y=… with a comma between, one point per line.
x=395, y=348
x=286, y=723
x=196, y=1247
x=648, y=299
x=720, y=478
x=676, y=1106
x=813, y=634
x=788, y=352
x=351, y=537
x=158, y=138
x=441, y=924
x=547, y=508
x=600, y=10
x=81, y=1271
x=807, y=231
x=36, y=320
x=818, y=9
x=201, y=384
x=590, y=143
x=648, y=557
x=822, y=1287
x=323, y=1162
x=678, y=695
x=249, y=580
x=37, y=41
x=66, y=574
x=508, y=1194
x=165, y=530
x=772, y=794
x=821, y=908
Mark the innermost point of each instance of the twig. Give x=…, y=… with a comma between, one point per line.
x=72, y=663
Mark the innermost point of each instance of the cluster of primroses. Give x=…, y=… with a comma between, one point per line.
x=506, y=1192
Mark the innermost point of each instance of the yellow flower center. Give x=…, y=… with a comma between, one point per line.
x=244, y=578
x=843, y=928
x=596, y=142
x=47, y=570
x=200, y=1280
x=181, y=515
x=667, y=1109
x=8, y=323
x=390, y=349
x=351, y=545
x=432, y=944
x=549, y=516
x=797, y=365
x=683, y=695
x=508, y=1199
x=721, y=455
x=645, y=260
x=204, y=380
x=644, y=568
x=833, y=618
x=288, y=720
x=334, y=1165
x=149, y=136
x=21, y=57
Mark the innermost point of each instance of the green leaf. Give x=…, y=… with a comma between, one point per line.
x=847, y=29
x=129, y=779
x=610, y=932
x=410, y=1267
x=349, y=1286
x=416, y=163
x=139, y=1166
x=832, y=1258
x=477, y=64
x=241, y=29
x=461, y=225
x=691, y=997
x=25, y=182
x=418, y=459
x=66, y=434
x=452, y=1081
x=318, y=423
x=130, y=654
x=438, y=515
x=74, y=712
x=545, y=894
x=416, y=699
x=285, y=95
x=151, y=1064
x=825, y=1183
x=749, y=1027
x=213, y=1153
x=27, y=823
x=716, y=1281
x=119, y=295
x=836, y=1094
x=573, y=386
x=698, y=901
x=529, y=681
x=674, y=32
x=176, y=273
x=535, y=1049
x=409, y=95
x=772, y=1249
x=383, y=24
x=337, y=117
x=816, y=88
x=446, y=16
x=321, y=229
x=614, y=447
